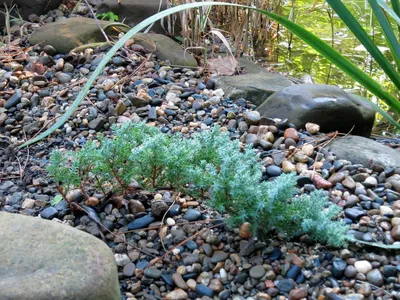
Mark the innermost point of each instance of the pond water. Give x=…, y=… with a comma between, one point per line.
x=302, y=59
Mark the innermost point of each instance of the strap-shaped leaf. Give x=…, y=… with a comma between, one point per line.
x=364, y=39
x=391, y=39
x=390, y=11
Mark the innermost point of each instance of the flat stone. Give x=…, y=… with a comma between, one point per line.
x=142, y=222
x=65, y=261
x=203, y=290
x=255, y=87
x=285, y=285
x=257, y=272
x=69, y=33
x=364, y=151
x=219, y=256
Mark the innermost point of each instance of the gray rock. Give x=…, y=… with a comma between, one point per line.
x=14, y=100
x=257, y=272
x=68, y=263
x=255, y=86
x=63, y=77
x=252, y=117
x=339, y=267
x=49, y=213
x=320, y=104
x=133, y=11
x=354, y=214
x=96, y=124
x=192, y=215
x=153, y=273
x=365, y=151
x=219, y=256
x=285, y=285
x=68, y=34
x=375, y=277
x=137, y=101
x=158, y=208
x=166, y=49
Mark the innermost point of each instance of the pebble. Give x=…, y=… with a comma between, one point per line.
x=49, y=213
x=203, y=290
x=142, y=222
x=192, y=215
x=219, y=256
x=338, y=268
x=152, y=273
x=273, y=171
x=252, y=117
x=177, y=294
x=257, y=272
x=375, y=277
x=285, y=285
x=298, y=294
x=363, y=266
x=179, y=282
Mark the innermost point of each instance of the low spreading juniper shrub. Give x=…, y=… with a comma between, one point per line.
x=208, y=165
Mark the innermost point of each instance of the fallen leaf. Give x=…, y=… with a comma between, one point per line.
x=223, y=66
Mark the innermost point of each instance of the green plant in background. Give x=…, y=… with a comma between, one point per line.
x=108, y=16
x=209, y=165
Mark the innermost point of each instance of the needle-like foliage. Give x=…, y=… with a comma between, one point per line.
x=207, y=165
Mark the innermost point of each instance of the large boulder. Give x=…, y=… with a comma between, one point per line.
x=135, y=11
x=329, y=106
x=361, y=150
x=46, y=260
x=166, y=49
x=255, y=86
x=27, y=7
x=68, y=34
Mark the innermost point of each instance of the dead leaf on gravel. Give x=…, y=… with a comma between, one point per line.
x=223, y=66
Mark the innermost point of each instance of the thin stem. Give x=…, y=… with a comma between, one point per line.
x=97, y=21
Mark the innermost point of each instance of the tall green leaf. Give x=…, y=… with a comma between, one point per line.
x=390, y=11
x=363, y=37
x=396, y=9
x=319, y=45
x=391, y=39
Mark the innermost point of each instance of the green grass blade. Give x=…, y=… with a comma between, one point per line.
x=379, y=110
x=390, y=11
x=363, y=37
x=396, y=9
x=391, y=39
